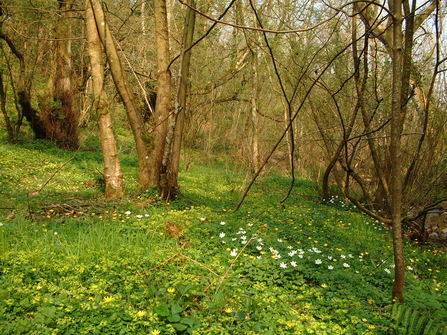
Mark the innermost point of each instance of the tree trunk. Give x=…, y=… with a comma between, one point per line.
x=142, y=140
x=256, y=160
x=60, y=119
x=178, y=119
x=164, y=105
x=9, y=127
x=113, y=175
x=395, y=151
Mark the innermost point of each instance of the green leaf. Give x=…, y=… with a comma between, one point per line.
x=185, y=289
x=240, y=316
x=191, y=321
x=176, y=309
x=162, y=310
x=179, y=326
x=218, y=296
x=174, y=318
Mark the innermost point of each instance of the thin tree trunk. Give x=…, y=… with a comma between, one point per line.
x=142, y=140
x=9, y=128
x=256, y=162
x=395, y=151
x=178, y=119
x=113, y=175
x=164, y=106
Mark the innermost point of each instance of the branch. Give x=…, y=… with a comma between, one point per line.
x=234, y=25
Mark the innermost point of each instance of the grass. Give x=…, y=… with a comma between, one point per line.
x=73, y=263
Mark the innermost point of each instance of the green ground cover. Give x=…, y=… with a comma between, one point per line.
x=72, y=263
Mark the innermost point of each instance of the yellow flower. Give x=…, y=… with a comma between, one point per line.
x=365, y=320
x=108, y=299
x=171, y=290
x=324, y=286
x=155, y=332
x=140, y=314
x=228, y=310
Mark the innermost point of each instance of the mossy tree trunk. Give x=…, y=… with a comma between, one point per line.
x=58, y=114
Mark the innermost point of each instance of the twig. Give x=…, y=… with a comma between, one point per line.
x=55, y=172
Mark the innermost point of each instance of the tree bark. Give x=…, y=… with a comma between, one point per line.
x=142, y=139
x=395, y=151
x=60, y=119
x=113, y=175
x=178, y=119
x=164, y=105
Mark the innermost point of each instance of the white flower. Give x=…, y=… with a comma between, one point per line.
x=202, y=219
x=330, y=267
x=293, y=264
x=55, y=233
x=259, y=240
x=233, y=253
x=290, y=247
x=292, y=253
x=410, y=268
x=279, y=240
x=259, y=257
x=300, y=256
x=222, y=235
x=234, y=239
x=243, y=237
x=329, y=257
x=277, y=256
x=283, y=265
x=346, y=265
x=259, y=247
x=343, y=256
x=139, y=216
x=128, y=212
x=1, y=224
x=318, y=261
x=146, y=215
x=249, y=224
x=388, y=271
x=223, y=223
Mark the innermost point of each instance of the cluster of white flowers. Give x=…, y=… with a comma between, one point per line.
x=138, y=216
x=292, y=252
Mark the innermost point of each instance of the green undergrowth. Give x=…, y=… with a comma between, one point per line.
x=73, y=263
